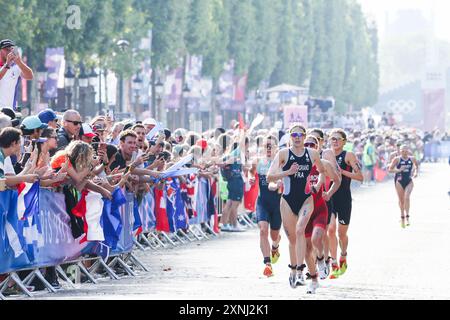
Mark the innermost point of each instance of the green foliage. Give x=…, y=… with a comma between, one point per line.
x=326, y=43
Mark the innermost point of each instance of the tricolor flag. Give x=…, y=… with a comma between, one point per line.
x=27, y=200
x=90, y=209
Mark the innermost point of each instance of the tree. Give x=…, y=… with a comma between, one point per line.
x=265, y=48
x=242, y=34
x=217, y=54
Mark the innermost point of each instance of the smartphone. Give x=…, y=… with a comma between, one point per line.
x=127, y=169
x=16, y=51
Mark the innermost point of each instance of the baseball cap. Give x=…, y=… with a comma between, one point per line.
x=12, y=115
x=87, y=131
x=6, y=43
x=149, y=121
x=33, y=122
x=47, y=115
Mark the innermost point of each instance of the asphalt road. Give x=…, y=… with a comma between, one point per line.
x=385, y=261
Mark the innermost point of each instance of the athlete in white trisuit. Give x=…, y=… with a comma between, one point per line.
x=268, y=205
x=316, y=228
x=328, y=155
x=342, y=200
x=405, y=168
x=294, y=166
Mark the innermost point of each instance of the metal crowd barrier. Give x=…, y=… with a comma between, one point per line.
x=45, y=240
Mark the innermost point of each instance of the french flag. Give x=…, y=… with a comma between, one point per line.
x=28, y=200
x=90, y=209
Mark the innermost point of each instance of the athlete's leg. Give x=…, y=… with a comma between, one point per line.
x=332, y=239
x=407, y=197
x=401, y=197
x=310, y=257
x=343, y=239
x=289, y=225
x=317, y=241
x=303, y=219
x=264, y=238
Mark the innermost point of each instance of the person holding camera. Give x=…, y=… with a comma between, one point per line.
x=12, y=68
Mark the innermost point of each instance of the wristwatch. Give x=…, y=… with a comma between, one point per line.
x=6, y=66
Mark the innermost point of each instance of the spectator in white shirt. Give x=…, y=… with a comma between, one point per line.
x=12, y=69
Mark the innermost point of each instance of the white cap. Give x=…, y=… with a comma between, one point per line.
x=149, y=121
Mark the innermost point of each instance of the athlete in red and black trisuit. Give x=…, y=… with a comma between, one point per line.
x=316, y=228
x=342, y=201
x=405, y=168
x=297, y=204
x=328, y=155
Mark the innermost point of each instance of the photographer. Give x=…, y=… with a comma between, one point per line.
x=12, y=69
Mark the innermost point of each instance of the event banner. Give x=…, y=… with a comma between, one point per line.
x=54, y=62
x=295, y=114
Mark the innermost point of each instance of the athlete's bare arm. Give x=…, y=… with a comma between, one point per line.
x=352, y=161
x=315, y=158
x=275, y=171
x=330, y=172
x=330, y=157
x=393, y=166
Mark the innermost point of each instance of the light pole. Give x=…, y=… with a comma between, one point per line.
x=83, y=82
x=159, y=88
x=69, y=82
x=92, y=82
x=123, y=46
x=137, y=87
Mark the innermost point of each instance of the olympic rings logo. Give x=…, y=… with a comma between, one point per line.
x=402, y=106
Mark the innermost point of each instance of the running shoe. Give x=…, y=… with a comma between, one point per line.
x=300, y=281
x=343, y=266
x=275, y=256
x=225, y=228
x=268, y=272
x=335, y=271
x=402, y=223
x=323, y=270
x=293, y=280
x=312, y=287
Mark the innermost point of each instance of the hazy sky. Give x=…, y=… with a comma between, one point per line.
x=378, y=9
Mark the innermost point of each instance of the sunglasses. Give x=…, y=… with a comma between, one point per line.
x=76, y=123
x=269, y=146
x=310, y=145
x=334, y=139
x=297, y=135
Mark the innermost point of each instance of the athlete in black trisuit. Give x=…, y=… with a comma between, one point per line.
x=405, y=168
x=297, y=204
x=342, y=200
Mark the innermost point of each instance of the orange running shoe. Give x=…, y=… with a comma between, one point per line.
x=268, y=272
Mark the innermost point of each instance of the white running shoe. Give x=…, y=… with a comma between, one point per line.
x=300, y=280
x=323, y=270
x=312, y=287
x=293, y=280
